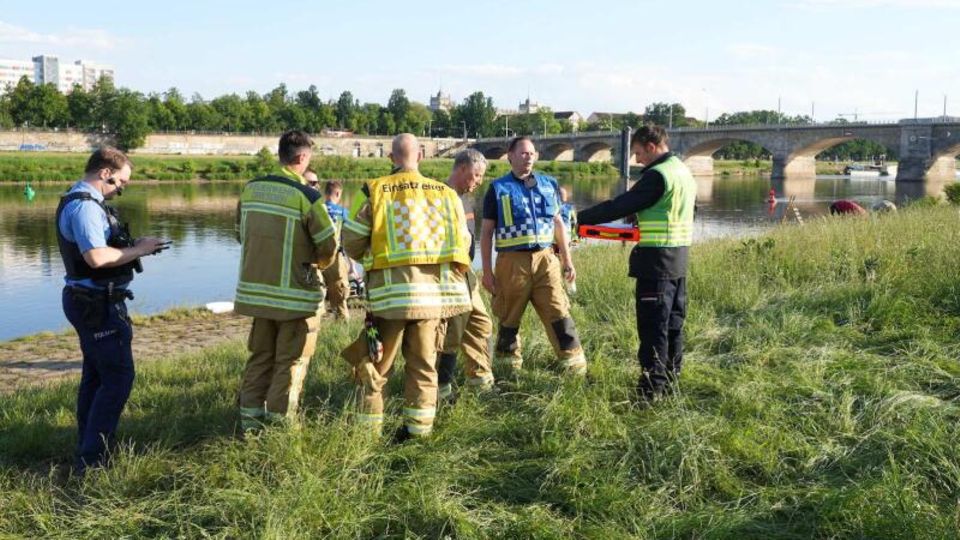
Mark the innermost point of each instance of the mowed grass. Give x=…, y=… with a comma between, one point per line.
x=819, y=399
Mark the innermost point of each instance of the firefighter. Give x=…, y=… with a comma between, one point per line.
x=522, y=210
x=335, y=276
x=470, y=331
x=286, y=234
x=411, y=235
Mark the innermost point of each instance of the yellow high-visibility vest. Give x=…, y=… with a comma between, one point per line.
x=414, y=220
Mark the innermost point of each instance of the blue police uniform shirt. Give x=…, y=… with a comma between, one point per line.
x=85, y=224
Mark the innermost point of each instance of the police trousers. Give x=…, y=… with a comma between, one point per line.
x=280, y=353
x=107, y=374
x=534, y=277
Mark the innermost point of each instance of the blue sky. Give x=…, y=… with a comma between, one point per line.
x=839, y=56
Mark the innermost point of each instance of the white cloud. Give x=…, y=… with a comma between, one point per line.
x=72, y=37
x=752, y=50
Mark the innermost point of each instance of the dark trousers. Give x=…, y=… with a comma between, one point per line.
x=661, y=309
x=107, y=375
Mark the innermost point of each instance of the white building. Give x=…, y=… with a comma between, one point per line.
x=45, y=69
x=12, y=70
x=441, y=102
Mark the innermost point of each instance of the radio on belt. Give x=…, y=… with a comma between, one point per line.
x=610, y=231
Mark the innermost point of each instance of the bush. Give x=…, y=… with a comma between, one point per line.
x=952, y=192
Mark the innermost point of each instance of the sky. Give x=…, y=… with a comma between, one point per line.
x=820, y=57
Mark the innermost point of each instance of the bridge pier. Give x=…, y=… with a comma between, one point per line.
x=700, y=165
x=920, y=169
x=785, y=167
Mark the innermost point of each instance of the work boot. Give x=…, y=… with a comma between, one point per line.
x=402, y=435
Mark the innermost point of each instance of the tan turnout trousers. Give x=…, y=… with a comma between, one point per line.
x=470, y=332
x=336, y=276
x=418, y=341
x=280, y=353
x=534, y=277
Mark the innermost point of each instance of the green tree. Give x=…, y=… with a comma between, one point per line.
x=398, y=106
x=232, y=111
x=203, y=117
x=81, y=106
x=479, y=114
x=159, y=117
x=130, y=123
x=174, y=102
x=665, y=114
x=442, y=125
x=259, y=116
x=418, y=119
x=6, y=119
x=347, y=108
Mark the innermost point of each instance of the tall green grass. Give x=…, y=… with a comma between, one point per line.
x=819, y=399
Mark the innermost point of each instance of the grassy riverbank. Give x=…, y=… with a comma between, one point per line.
x=746, y=167
x=41, y=167
x=820, y=399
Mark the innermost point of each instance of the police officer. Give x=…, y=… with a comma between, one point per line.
x=411, y=235
x=522, y=209
x=663, y=202
x=469, y=331
x=100, y=258
x=286, y=236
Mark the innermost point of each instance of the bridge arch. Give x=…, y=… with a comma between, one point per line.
x=495, y=152
x=594, y=151
x=557, y=151
x=698, y=156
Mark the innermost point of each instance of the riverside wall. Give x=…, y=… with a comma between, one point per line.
x=220, y=144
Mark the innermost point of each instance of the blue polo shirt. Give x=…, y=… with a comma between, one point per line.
x=85, y=224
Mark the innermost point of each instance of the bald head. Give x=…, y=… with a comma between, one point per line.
x=405, y=152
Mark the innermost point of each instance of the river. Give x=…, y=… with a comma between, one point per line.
x=201, y=266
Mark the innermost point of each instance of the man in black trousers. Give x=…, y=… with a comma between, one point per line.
x=663, y=203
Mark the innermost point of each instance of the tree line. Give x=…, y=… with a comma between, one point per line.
x=130, y=116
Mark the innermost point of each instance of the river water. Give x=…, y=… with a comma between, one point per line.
x=201, y=266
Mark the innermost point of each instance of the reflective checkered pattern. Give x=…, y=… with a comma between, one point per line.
x=419, y=225
x=515, y=231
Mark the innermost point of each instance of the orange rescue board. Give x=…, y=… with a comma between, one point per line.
x=620, y=233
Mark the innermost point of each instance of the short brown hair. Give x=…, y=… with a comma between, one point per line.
x=292, y=144
x=107, y=157
x=516, y=140
x=332, y=185
x=650, y=133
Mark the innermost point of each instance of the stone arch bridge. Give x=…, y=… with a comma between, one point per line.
x=927, y=149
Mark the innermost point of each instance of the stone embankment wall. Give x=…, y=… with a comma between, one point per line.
x=214, y=144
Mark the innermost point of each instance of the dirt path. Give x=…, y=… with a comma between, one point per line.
x=44, y=357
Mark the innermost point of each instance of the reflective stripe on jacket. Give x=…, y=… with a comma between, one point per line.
x=669, y=222
x=286, y=234
x=525, y=215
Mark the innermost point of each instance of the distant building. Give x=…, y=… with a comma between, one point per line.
x=528, y=107
x=570, y=116
x=441, y=102
x=45, y=69
x=12, y=70
x=603, y=118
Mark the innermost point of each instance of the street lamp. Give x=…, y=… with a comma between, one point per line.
x=464, y=122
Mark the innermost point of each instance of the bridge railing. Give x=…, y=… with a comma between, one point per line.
x=712, y=128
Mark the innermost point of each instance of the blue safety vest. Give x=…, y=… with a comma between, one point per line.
x=525, y=215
